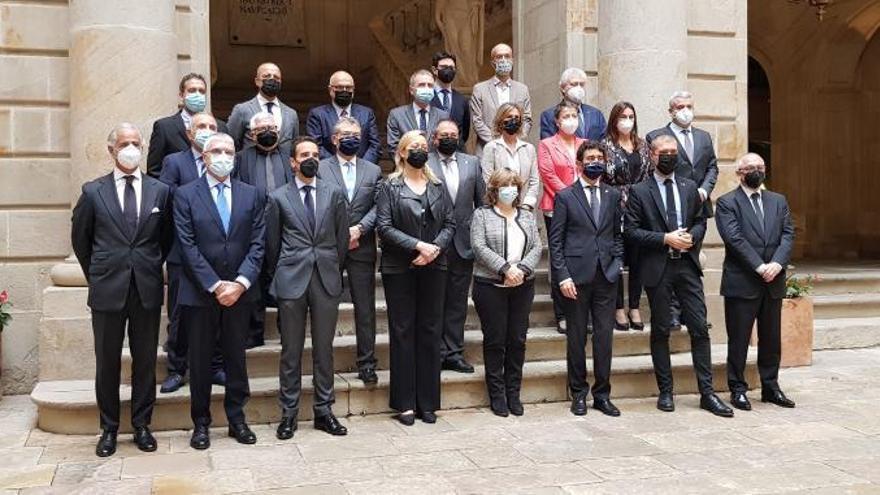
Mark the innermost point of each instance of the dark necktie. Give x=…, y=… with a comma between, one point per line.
x=445, y=93
x=756, y=204
x=423, y=120
x=129, y=206
x=594, y=202
x=269, y=106
x=310, y=206
x=671, y=214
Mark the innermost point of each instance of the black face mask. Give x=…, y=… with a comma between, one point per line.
x=267, y=139
x=271, y=87
x=348, y=146
x=754, y=179
x=666, y=164
x=512, y=126
x=309, y=168
x=447, y=145
x=417, y=158
x=446, y=74
x=343, y=98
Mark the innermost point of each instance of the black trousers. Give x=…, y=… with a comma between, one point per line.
x=229, y=327
x=177, y=341
x=458, y=281
x=504, y=319
x=634, y=289
x=143, y=337
x=739, y=317
x=362, y=287
x=256, y=334
x=596, y=300
x=415, y=322
x=680, y=279
x=555, y=293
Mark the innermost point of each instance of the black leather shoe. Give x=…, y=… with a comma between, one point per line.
x=407, y=419
x=106, y=444
x=714, y=405
x=173, y=382
x=330, y=424
x=561, y=327
x=458, y=365
x=428, y=417
x=676, y=326
x=579, y=405
x=606, y=407
x=242, y=434
x=219, y=378
x=255, y=342
x=368, y=376
x=665, y=402
x=499, y=407
x=286, y=428
x=144, y=439
x=515, y=405
x=740, y=401
x=201, y=439
x=778, y=398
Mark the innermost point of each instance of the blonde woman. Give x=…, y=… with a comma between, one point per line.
x=508, y=151
x=415, y=223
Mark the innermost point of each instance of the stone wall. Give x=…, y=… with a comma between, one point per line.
x=36, y=185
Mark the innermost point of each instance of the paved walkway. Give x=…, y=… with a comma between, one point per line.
x=829, y=444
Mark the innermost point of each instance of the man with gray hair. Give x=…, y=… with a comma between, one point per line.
x=758, y=235
x=419, y=115
x=591, y=122
x=121, y=234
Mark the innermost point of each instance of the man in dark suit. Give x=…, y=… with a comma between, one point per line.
x=586, y=253
x=221, y=229
x=263, y=164
x=121, y=233
x=359, y=180
x=758, y=236
x=665, y=217
x=463, y=178
x=572, y=85
x=306, y=247
x=268, y=83
x=178, y=169
x=418, y=115
x=322, y=120
x=169, y=133
x=454, y=103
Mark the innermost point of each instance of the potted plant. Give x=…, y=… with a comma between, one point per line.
x=797, y=321
x=5, y=318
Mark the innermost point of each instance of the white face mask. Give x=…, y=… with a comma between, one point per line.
x=129, y=157
x=576, y=94
x=569, y=125
x=684, y=117
x=624, y=125
x=221, y=165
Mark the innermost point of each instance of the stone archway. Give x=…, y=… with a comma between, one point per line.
x=759, y=113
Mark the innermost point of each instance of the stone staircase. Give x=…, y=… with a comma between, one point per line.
x=847, y=312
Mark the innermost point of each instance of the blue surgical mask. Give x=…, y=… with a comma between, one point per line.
x=195, y=102
x=424, y=95
x=508, y=194
x=202, y=136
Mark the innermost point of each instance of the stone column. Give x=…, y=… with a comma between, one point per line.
x=123, y=67
x=642, y=56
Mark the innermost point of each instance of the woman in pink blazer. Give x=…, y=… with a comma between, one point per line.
x=558, y=169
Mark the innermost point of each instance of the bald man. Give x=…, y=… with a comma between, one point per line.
x=268, y=83
x=323, y=118
x=758, y=235
x=490, y=94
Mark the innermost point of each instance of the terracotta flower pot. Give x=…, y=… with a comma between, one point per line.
x=797, y=332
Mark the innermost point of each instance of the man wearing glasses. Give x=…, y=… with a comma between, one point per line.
x=322, y=119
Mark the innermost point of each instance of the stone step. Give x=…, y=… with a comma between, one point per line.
x=69, y=406
x=543, y=344
x=846, y=333
x=847, y=306
x=849, y=282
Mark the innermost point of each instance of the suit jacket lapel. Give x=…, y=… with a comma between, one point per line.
x=685, y=206
x=359, y=177
x=321, y=199
x=411, y=117
x=296, y=204
x=605, y=207
x=581, y=196
x=336, y=171
x=204, y=192
x=770, y=214
x=658, y=201
x=745, y=205
x=111, y=201
x=148, y=200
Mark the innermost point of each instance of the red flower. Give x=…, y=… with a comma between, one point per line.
x=4, y=297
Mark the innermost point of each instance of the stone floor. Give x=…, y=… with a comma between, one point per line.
x=829, y=444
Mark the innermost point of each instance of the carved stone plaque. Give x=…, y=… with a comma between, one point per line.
x=267, y=22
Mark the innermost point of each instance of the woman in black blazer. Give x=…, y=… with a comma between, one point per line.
x=415, y=223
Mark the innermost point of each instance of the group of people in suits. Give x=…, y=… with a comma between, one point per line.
x=262, y=216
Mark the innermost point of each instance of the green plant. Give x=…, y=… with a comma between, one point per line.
x=5, y=317
x=799, y=286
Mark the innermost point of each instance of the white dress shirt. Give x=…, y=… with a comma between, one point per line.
x=187, y=118
x=749, y=191
x=119, y=180
x=340, y=109
x=302, y=193
x=227, y=194
x=417, y=112
x=450, y=172
x=586, y=186
x=502, y=89
x=276, y=108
